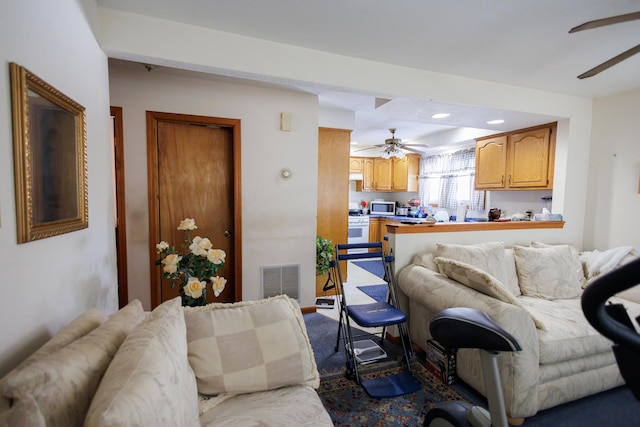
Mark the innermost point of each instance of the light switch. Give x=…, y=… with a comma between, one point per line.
x=285, y=122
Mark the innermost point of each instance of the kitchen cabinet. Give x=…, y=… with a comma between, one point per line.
x=382, y=174
x=386, y=175
x=368, y=175
x=405, y=173
x=377, y=231
x=519, y=160
x=355, y=164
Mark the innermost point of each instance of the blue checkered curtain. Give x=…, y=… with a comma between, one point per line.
x=446, y=179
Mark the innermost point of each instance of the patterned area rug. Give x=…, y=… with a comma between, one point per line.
x=349, y=405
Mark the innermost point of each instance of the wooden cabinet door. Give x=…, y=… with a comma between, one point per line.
x=368, y=175
x=383, y=174
x=400, y=174
x=413, y=170
x=355, y=165
x=529, y=159
x=491, y=163
x=374, y=229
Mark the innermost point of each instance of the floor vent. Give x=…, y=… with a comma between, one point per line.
x=281, y=280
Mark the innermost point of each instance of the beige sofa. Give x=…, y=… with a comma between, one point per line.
x=532, y=292
x=241, y=364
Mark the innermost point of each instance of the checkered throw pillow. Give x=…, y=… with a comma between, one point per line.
x=249, y=346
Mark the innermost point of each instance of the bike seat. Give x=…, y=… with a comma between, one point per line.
x=463, y=327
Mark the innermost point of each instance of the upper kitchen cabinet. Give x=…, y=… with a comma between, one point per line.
x=386, y=175
x=519, y=160
x=382, y=174
x=368, y=175
x=405, y=173
x=355, y=164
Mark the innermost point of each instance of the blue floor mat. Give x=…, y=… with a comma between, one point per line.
x=377, y=292
x=373, y=267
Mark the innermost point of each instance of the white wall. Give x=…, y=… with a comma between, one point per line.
x=46, y=283
x=135, y=37
x=278, y=217
x=613, y=198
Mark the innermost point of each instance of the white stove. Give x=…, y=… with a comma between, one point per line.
x=358, y=231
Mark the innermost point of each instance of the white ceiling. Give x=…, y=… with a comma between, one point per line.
x=518, y=42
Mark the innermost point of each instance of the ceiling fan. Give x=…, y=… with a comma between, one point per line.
x=601, y=23
x=393, y=147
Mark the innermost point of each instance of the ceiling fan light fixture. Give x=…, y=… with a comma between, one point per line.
x=392, y=151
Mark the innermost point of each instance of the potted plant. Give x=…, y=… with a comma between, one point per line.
x=324, y=254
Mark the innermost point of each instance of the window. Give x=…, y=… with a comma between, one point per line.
x=448, y=179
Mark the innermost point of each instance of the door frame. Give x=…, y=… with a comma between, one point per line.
x=153, y=117
x=120, y=208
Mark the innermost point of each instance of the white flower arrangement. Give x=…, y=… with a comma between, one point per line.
x=193, y=269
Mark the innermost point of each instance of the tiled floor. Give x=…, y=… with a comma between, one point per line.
x=356, y=276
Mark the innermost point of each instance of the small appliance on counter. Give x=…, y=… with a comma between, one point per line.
x=381, y=207
x=402, y=211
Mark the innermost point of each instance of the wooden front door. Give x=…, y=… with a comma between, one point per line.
x=194, y=173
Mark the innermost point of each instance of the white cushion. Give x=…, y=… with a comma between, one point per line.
x=77, y=328
x=249, y=346
x=550, y=272
x=489, y=257
x=425, y=259
x=63, y=383
x=149, y=381
x=481, y=281
x=512, y=274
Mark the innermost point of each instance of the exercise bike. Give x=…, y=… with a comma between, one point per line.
x=469, y=328
x=462, y=327
x=612, y=320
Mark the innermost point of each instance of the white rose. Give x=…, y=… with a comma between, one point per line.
x=200, y=246
x=162, y=246
x=218, y=284
x=194, y=287
x=216, y=256
x=187, y=224
x=171, y=263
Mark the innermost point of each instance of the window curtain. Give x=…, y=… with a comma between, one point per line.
x=447, y=179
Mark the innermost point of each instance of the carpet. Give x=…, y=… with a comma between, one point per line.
x=349, y=405
x=348, y=402
x=377, y=292
x=373, y=267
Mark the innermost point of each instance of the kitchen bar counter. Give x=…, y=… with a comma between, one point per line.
x=396, y=227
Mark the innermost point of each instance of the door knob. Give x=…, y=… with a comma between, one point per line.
x=227, y=233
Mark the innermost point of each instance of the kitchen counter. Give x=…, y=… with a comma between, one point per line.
x=397, y=227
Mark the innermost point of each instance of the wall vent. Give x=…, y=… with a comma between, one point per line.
x=281, y=280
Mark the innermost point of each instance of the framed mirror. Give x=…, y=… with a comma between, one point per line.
x=50, y=158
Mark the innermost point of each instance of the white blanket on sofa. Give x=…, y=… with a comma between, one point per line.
x=597, y=262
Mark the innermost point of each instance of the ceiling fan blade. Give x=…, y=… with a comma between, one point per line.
x=416, y=145
x=610, y=63
x=413, y=150
x=606, y=21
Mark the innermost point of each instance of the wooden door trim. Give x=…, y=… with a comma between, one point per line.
x=121, y=212
x=153, y=117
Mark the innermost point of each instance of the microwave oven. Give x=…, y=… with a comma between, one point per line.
x=378, y=207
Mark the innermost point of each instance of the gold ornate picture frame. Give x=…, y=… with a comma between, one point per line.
x=50, y=158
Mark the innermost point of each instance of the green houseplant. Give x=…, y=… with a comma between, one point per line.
x=324, y=254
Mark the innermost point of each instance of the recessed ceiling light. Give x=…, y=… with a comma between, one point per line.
x=440, y=115
x=495, y=122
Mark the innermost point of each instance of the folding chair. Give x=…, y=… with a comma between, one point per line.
x=374, y=315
